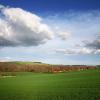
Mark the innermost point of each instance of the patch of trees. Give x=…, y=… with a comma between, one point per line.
x=13, y=67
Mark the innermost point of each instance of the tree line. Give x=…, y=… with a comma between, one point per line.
x=13, y=67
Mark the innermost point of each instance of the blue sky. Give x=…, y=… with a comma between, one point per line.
x=42, y=6
x=51, y=31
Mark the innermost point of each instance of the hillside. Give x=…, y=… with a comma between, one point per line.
x=39, y=67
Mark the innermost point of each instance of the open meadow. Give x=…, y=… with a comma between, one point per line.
x=73, y=85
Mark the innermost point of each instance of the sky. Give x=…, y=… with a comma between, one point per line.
x=50, y=31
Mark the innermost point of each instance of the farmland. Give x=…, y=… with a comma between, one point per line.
x=70, y=85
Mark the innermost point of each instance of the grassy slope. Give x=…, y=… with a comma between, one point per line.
x=79, y=85
x=30, y=63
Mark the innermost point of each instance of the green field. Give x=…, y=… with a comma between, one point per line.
x=75, y=85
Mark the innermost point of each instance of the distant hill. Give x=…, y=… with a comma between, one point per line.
x=18, y=66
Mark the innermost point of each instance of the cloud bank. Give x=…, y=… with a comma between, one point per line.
x=22, y=28
x=83, y=51
x=94, y=44
x=88, y=47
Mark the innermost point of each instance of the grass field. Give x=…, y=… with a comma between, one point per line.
x=75, y=85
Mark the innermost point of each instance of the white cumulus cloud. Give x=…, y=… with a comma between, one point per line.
x=22, y=28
